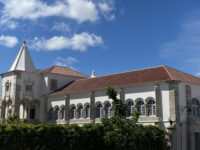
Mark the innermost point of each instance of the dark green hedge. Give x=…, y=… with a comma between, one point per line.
x=108, y=136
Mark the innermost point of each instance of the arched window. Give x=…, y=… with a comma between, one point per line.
x=62, y=113
x=73, y=112
x=80, y=112
x=32, y=113
x=51, y=114
x=195, y=107
x=130, y=106
x=140, y=107
x=151, y=107
x=99, y=111
x=107, y=110
x=57, y=113
x=87, y=111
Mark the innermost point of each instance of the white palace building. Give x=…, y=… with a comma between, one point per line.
x=164, y=97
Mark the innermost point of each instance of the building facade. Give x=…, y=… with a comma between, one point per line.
x=164, y=96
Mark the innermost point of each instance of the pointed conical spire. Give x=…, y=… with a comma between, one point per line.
x=23, y=60
x=93, y=74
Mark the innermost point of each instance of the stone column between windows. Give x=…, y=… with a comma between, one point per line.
x=122, y=95
x=158, y=101
x=67, y=109
x=92, y=107
x=188, y=96
x=174, y=113
x=46, y=115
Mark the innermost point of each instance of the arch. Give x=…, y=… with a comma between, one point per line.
x=128, y=100
x=97, y=103
x=151, y=107
x=79, y=104
x=107, y=109
x=24, y=104
x=99, y=108
x=106, y=102
x=138, y=99
x=148, y=99
x=140, y=107
x=72, y=112
x=195, y=107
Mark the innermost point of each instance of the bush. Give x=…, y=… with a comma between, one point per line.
x=117, y=133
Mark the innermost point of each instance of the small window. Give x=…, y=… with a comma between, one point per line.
x=53, y=84
x=28, y=87
x=7, y=87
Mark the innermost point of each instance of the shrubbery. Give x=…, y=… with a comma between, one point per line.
x=116, y=133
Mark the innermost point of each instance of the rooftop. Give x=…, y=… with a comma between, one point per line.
x=142, y=76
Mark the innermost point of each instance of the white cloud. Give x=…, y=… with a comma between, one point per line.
x=197, y=74
x=66, y=62
x=80, y=10
x=106, y=8
x=8, y=41
x=61, y=26
x=78, y=42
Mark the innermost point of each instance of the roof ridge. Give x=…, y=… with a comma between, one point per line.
x=72, y=70
x=182, y=72
x=165, y=67
x=120, y=73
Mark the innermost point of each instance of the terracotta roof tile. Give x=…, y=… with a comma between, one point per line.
x=149, y=75
x=63, y=71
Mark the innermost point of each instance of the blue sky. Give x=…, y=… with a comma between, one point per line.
x=108, y=36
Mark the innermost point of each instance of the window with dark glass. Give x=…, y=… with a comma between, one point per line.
x=80, y=112
x=107, y=110
x=99, y=111
x=195, y=107
x=62, y=113
x=73, y=112
x=140, y=107
x=51, y=114
x=130, y=106
x=28, y=87
x=57, y=113
x=32, y=113
x=53, y=84
x=151, y=108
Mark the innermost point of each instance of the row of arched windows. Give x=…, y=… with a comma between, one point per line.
x=100, y=110
x=150, y=108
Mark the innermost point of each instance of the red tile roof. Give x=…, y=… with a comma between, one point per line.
x=63, y=71
x=149, y=75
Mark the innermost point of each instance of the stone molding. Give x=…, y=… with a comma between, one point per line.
x=92, y=107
